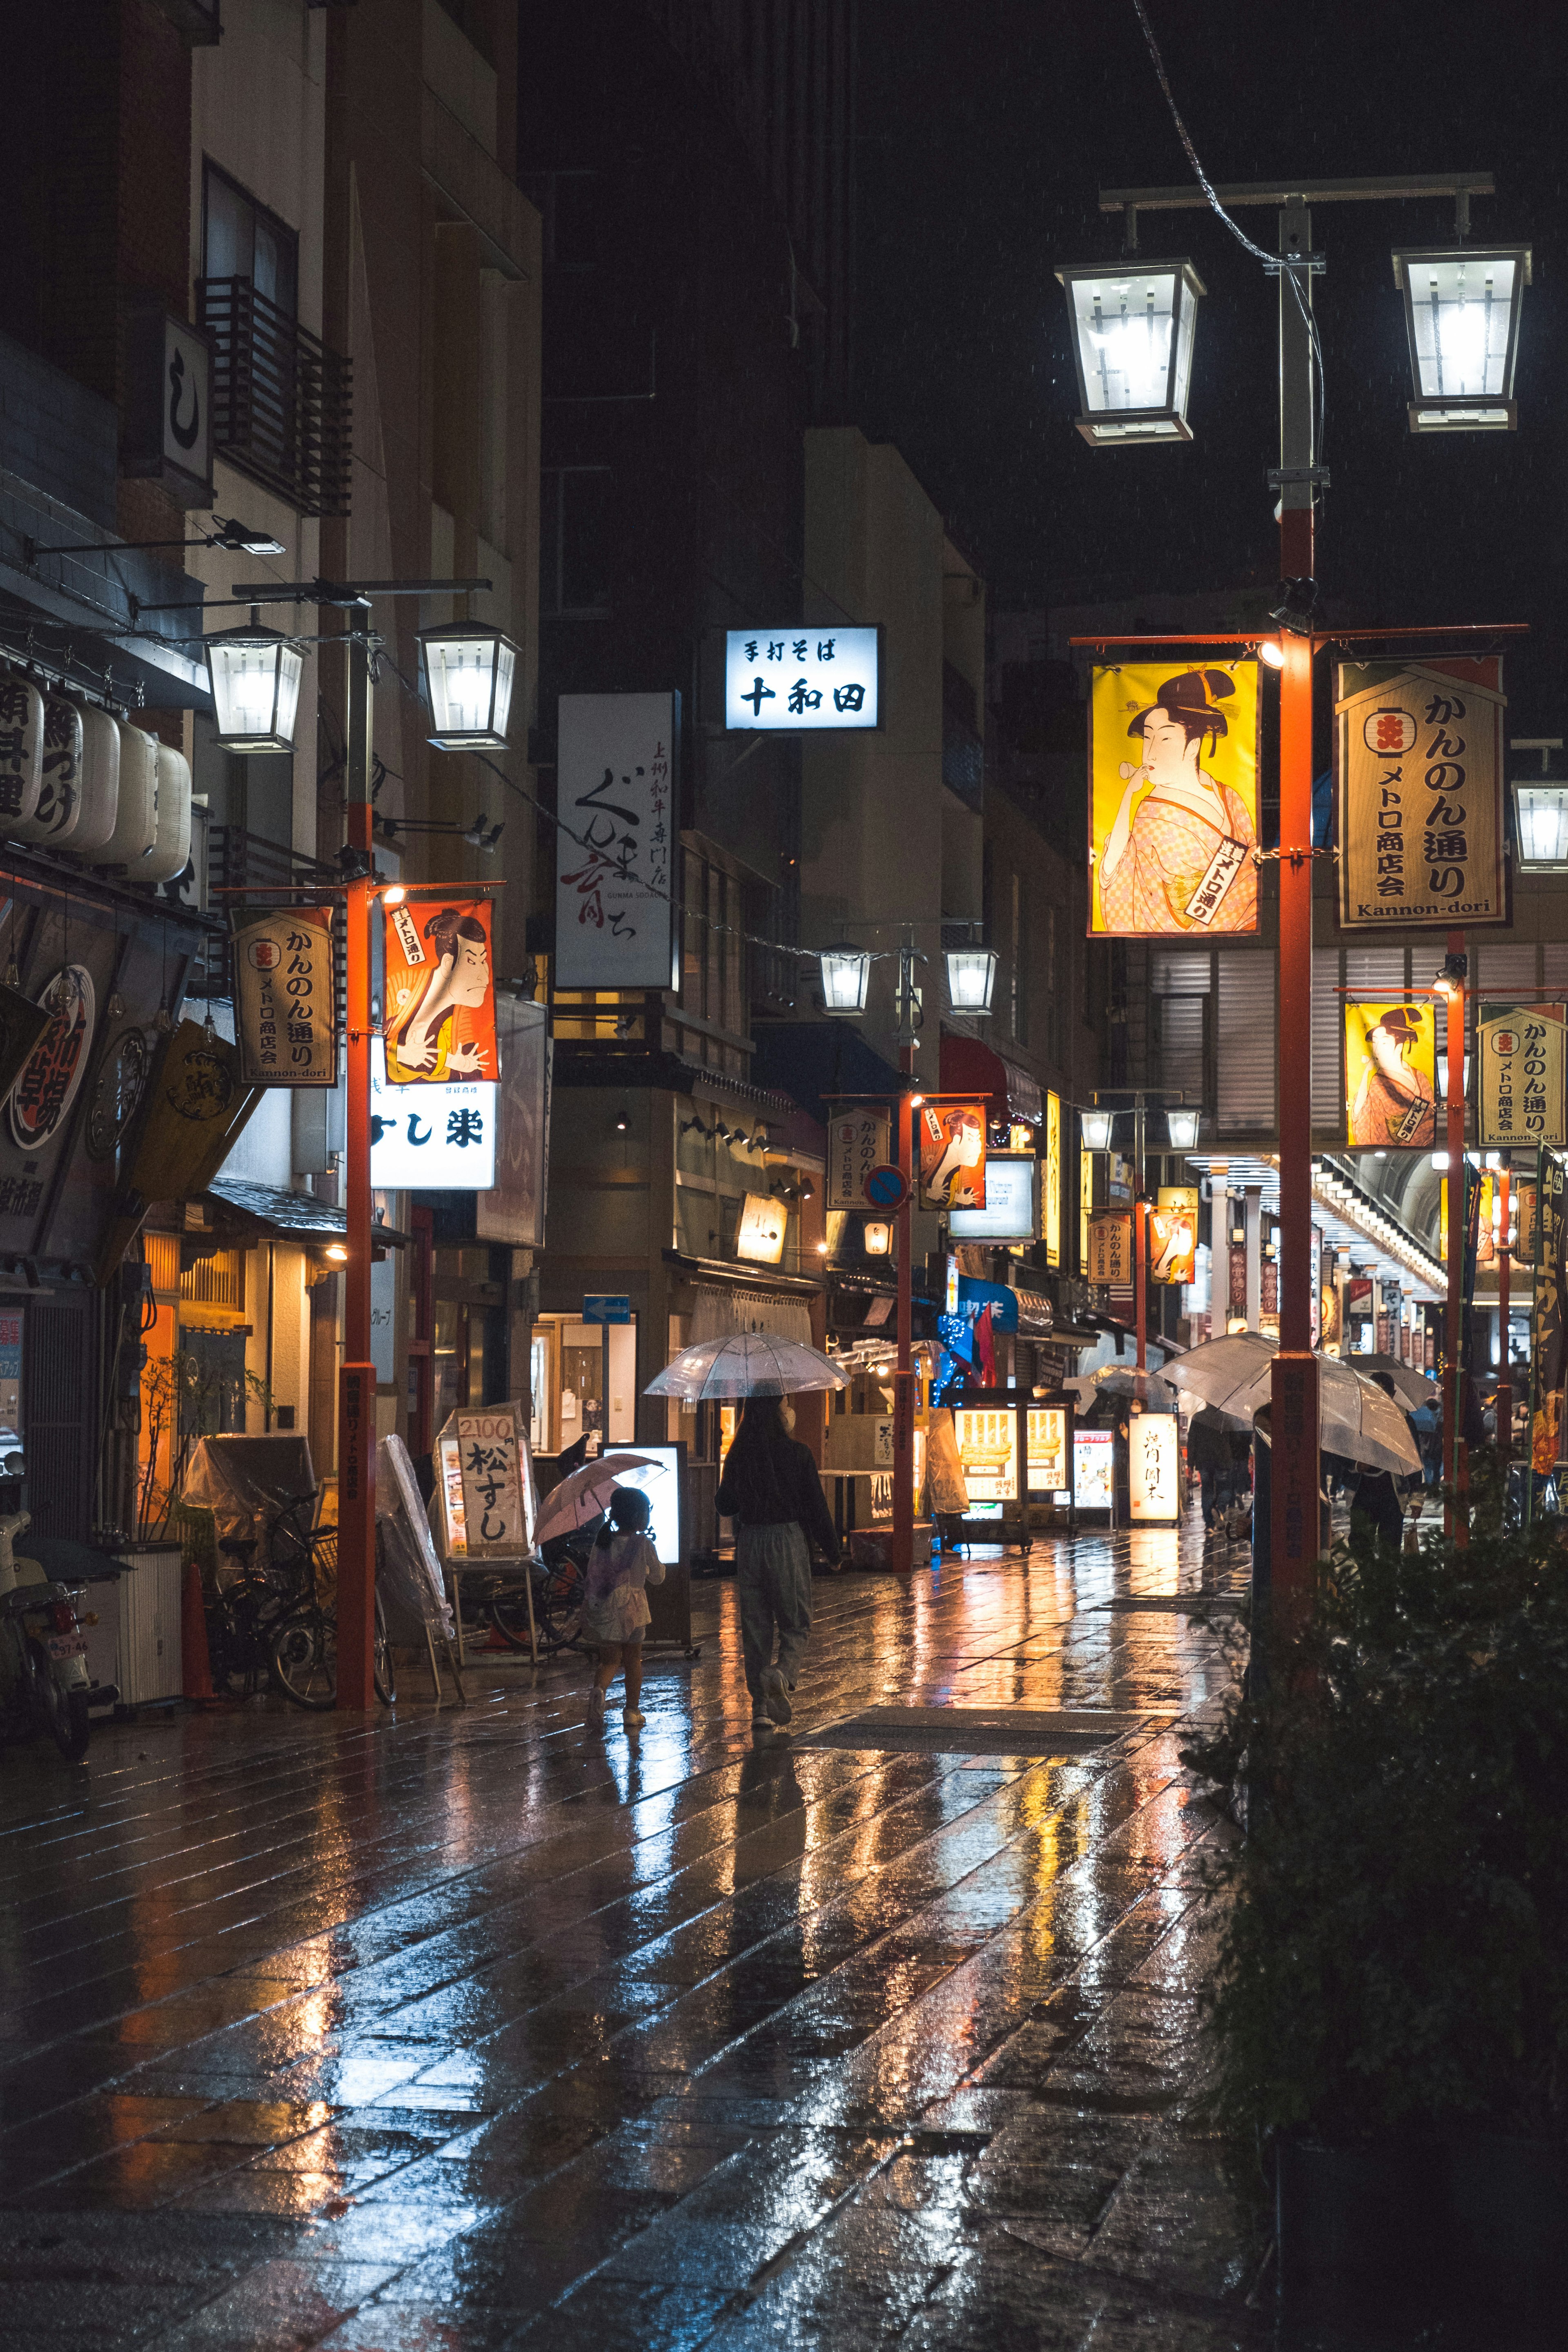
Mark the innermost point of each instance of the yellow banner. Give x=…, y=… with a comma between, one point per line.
x=1173, y=799
x=1391, y=1075
x=1051, y=1191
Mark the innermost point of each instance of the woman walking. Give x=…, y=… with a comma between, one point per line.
x=614, y=1604
x=771, y=1490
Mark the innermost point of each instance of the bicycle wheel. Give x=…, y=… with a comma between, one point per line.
x=383, y=1672
x=559, y=1604
x=302, y=1658
x=507, y=1611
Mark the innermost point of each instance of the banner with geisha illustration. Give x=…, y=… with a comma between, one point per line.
x=952, y=1155
x=1391, y=1075
x=440, y=1011
x=1173, y=771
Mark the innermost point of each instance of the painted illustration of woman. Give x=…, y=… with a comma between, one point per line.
x=459, y=976
x=1393, y=1102
x=1178, y=856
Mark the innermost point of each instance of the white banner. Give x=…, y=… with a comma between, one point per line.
x=617, y=874
x=1521, y=1087
x=856, y=1142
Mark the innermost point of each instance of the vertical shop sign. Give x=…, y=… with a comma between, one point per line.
x=1051, y=1204
x=1154, y=1465
x=284, y=1013
x=1521, y=1074
x=1172, y=800
x=1420, y=781
x=856, y=1142
x=440, y=1023
x=50, y=1077
x=614, y=846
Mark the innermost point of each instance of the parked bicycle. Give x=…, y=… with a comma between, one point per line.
x=43, y=1679
x=560, y=1578
x=276, y=1616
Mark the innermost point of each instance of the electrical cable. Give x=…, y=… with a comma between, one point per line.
x=1290, y=271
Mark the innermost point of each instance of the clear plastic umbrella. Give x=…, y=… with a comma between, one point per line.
x=586, y=1492
x=1411, y=1387
x=746, y=1364
x=1354, y=1417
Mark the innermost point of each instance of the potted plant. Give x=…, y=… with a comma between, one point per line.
x=1389, y=2012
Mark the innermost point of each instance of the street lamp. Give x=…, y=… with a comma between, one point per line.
x=468, y=672
x=1461, y=311
x=1540, y=808
x=1095, y=1125
x=1133, y=344
x=846, y=976
x=1183, y=1127
x=971, y=976
x=254, y=679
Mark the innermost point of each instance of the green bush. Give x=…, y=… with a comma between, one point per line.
x=1394, y=1954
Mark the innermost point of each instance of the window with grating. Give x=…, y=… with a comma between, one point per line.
x=1245, y=1043
x=215, y=1281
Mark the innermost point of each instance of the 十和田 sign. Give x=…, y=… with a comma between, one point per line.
x=801, y=680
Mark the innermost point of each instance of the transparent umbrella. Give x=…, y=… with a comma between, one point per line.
x=585, y=1493
x=1354, y=1417
x=1412, y=1388
x=746, y=1364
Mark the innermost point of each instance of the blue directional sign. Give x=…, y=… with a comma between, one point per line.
x=604, y=1308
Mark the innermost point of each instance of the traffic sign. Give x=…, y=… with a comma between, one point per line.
x=884, y=1187
x=603, y=1308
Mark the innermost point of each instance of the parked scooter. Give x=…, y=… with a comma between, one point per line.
x=44, y=1679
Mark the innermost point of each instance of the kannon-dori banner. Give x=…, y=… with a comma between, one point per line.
x=284, y=1013
x=1418, y=754
x=1391, y=1075
x=1173, y=799
x=1521, y=1096
x=440, y=1022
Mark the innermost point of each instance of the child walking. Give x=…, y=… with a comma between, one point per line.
x=614, y=1607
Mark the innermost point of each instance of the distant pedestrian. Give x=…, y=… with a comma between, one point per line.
x=772, y=1489
x=614, y=1606
x=1208, y=1451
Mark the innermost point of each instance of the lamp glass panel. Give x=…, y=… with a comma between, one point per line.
x=1096, y=1126
x=971, y=977
x=1125, y=324
x=256, y=690
x=1542, y=823
x=1186, y=321
x=469, y=678
x=1461, y=308
x=1183, y=1127
x=845, y=972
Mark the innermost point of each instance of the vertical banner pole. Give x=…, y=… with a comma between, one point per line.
x=1534, y=1338
x=904, y=1544
x=1458, y=1206
x=1505, y=1384
x=356, y=1388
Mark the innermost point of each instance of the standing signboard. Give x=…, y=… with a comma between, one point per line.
x=1521, y=1096
x=1418, y=751
x=285, y=1012
x=485, y=1477
x=1047, y=1444
x=856, y=1142
x=1391, y=1075
x=1172, y=800
x=616, y=876
x=1153, y=1467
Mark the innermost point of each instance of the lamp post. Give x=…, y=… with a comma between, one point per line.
x=356, y=1378
x=1096, y=1127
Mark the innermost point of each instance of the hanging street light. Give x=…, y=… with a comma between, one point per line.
x=971, y=977
x=1540, y=808
x=1095, y=1125
x=254, y=679
x=1133, y=344
x=1182, y=1128
x=1461, y=311
x=846, y=976
x=467, y=671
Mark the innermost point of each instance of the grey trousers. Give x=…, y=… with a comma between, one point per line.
x=772, y=1574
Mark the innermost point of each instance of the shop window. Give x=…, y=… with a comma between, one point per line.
x=215, y=1281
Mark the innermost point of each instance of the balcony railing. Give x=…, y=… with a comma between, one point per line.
x=282, y=402
x=240, y=864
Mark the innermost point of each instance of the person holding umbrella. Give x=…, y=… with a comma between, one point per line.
x=614, y=1603
x=772, y=1489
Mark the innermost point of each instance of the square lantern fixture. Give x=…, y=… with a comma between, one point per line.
x=254, y=679
x=971, y=977
x=469, y=671
x=1132, y=345
x=879, y=1238
x=1182, y=1126
x=1096, y=1127
x=1541, y=810
x=1461, y=312
x=846, y=976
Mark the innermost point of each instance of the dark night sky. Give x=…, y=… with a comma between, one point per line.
x=987, y=128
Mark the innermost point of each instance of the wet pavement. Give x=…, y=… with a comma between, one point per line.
x=459, y=2030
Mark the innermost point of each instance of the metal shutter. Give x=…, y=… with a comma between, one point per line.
x=58, y=1410
x=1328, y=1044
x=1245, y=1030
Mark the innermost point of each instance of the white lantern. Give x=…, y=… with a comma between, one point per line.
x=1096, y=1127
x=971, y=976
x=1182, y=1128
x=469, y=671
x=879, y=1239
x=1541, y=809
x=1133, y=344
x=255, y=675
x=846, y=976
x=1443, y=1073
x=1461, y=312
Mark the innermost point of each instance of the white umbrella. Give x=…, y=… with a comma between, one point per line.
x=586, y=1492
x=746, y=1364
x=1355, y=1416
x=1413, y=1387
x=1150, y=1387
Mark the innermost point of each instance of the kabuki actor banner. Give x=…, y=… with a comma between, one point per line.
x=1391, y=1075
x=1172, y=800
x=1418, y=755
x=1521, y=1074
x=285, y=1010
x=617, y=874
x=1173, y=1235
x=440, y=1023
x=800, y=680
x=952, y=1155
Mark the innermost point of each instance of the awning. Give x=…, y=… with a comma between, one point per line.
x=247, y=1214
x=970, y=1067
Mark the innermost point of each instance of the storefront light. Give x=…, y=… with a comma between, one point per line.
x=1462, y=307
x=468, y=672
x=254, y=679
x=971, y=977
x=1096, y=1127
x=846, y=976
x=1133, y=344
